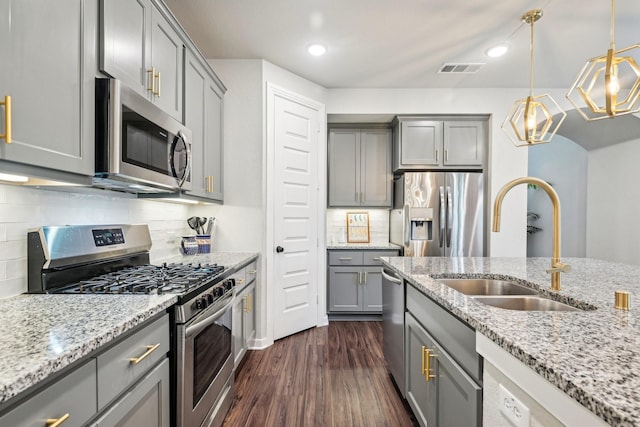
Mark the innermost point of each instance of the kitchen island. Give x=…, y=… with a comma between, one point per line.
x=45, y=336
x=592, y=355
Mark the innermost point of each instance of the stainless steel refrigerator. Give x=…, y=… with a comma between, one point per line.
x=438, y=214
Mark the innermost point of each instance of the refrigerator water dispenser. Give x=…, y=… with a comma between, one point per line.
x=421, y=224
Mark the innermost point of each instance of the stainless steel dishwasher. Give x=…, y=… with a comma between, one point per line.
x=393, y=307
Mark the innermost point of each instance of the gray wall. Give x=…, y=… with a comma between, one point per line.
x=564, y=164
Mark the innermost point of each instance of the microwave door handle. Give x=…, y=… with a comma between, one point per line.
x=181, y=179
x=441, y=217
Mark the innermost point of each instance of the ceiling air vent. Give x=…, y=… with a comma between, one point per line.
x=459, y=68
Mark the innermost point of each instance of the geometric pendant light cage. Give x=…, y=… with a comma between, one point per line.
x=608, y=85
x=531, y=120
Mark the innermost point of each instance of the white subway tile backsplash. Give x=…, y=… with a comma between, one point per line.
x=11, y=287
x=23, y=209
x=337, y=225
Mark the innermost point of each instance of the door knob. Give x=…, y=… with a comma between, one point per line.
x=279, y=249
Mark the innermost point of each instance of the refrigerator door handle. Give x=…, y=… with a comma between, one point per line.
x=449, y=216
x=441, y=215
x=407, y=226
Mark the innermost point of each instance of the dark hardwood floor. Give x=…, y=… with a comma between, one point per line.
x=327, y=376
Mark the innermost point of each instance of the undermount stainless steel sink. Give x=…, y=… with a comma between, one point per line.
x=525, y=303
x=487, y=287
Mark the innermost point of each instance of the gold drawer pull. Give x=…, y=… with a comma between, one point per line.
x=426, y=363
x=240, y=281
x=7, y=119
x=377, y=258
x=159, y=80
x=252, y=272
x=55, y=422
x=345, y=258
x=150, y=349
x=247, y=304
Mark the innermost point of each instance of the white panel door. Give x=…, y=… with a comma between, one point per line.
x=295, y=216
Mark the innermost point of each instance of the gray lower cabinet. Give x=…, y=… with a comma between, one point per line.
x=72, y=400
x=243, y=311
x=126, y=384
x=152, y=63
x=359, y=162
x=355, y=281
x=439, y=390
x=48, y=68
x=203, y=114
x=145, y=405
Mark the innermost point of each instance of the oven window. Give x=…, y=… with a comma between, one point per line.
x=212, y=347
x=144, y=143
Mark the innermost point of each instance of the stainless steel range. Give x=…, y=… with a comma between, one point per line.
x=114, y=259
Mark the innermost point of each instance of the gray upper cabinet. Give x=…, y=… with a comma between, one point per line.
x=152, y=63
x=203, y=115
x=360, y=167
x=48, y=67
x=464, y=143
x=420, y=143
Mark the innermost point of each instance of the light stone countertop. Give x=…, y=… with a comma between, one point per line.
x=45, y=333
x=593, y=355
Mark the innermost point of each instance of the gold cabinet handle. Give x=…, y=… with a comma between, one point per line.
x=240, y=281
x=346, y=258
x=436, y=155
x=426, y=363
x=206, y=184
x=252, y=271
x=446, y=155
x=365, y=277
x=247, y=303
x=152, y=80
x=7, y=119
x=150, y=349
x=159, y=81
x=55, y=422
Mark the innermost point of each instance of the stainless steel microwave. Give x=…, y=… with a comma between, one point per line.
x=139, y=147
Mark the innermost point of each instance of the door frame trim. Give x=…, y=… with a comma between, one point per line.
x=266, y=293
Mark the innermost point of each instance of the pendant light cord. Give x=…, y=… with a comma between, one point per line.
x=531, y=60
x=613, y=23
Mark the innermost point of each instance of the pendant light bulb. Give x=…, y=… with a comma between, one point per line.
x=614, y=84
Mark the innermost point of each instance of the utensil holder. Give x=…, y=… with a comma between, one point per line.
x=204, y=243
x=189, y=245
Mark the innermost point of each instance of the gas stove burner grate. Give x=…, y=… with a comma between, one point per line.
x=147, y=279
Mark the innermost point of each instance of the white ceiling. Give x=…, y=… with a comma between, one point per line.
x=403, y=43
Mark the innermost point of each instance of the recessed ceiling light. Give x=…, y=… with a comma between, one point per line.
x=498, y=50
x=316, y=49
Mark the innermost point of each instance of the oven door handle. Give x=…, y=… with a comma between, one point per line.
x=206, y=320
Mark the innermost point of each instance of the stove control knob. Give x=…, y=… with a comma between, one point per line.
x=231, y=283
x=201, y=303
x=228, y=285
x=219, y=291
x=210, y=298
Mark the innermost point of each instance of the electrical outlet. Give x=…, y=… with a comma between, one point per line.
x=171, y=236
x=513, y=409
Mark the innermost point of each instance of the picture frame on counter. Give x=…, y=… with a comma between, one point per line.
x=357, y=227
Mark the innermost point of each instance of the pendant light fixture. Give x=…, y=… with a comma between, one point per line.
x=531, y=119
x=608, y=85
